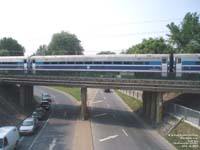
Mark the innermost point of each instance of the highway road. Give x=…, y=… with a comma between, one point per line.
x=115, y=128
x=56, y=133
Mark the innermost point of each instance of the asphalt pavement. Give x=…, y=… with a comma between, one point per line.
x=56, y=133
x=115, y=128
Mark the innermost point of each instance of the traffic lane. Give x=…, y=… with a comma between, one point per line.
x=130, y=132
x=58, y=131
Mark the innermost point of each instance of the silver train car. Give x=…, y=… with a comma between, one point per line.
x=105, y=63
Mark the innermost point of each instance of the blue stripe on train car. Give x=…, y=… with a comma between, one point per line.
x=188, y=62
x=87, y=67
x=11, y=67
x=191, y=68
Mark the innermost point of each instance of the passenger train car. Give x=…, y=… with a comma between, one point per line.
x=160, y=64
x=104, y=63
x=13, y=63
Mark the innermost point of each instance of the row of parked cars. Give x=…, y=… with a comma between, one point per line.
x=9, y=135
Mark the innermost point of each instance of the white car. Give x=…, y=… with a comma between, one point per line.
x=28, y=126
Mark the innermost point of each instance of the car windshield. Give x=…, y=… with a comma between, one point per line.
x=45, y=95
x=1, y=143
x=44, y=103
x=28, y=123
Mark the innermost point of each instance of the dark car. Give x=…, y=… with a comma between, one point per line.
x=107, y=90
x=45, y=104
x=46, y=97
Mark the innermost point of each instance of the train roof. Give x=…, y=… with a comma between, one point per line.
x=187, y=55
x=102, y=56
x=12, y=58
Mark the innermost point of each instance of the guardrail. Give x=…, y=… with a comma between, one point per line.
x=115, y=83
x=188, y=114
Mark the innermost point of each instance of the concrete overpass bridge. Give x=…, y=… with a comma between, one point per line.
x=152, y=88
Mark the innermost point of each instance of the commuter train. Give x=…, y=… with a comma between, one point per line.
x=128, y=63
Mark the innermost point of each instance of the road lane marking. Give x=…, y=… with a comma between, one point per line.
x=40, y=132
x=104, y=97
x=21, y=139
x=100, y=115
x=94, y=102
x=108, y=106
x=107, y=138
x=53, y=144
x=125, y=132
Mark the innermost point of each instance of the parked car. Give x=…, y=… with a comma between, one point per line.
x=47, y=97
x=107, y=90
x=28, y=126
x=45, y=104
x=9, y=138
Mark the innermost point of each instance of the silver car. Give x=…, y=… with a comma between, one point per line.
x=28, y=126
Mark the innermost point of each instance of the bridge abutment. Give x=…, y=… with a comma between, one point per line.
x=26, y=96
x=152, y=106
x=84, y=110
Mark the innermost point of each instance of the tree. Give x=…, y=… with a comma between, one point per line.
x=186, y=36
x=151, y=46
x=12, y=46
x=42, y=50
x=65, y=43
x=4, y=52
x=106, y=53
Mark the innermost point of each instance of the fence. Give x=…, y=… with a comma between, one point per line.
x=190, y=115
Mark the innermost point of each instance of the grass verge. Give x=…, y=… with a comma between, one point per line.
x=75, y=92
x=185, y=137
x=132, y=102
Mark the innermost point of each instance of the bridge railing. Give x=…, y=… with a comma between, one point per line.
x=114, y=75
x=188, y=114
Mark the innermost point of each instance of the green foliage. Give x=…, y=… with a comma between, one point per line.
x=65, y=43
x=106, y=53
x=186, y=36
x=4, y=52
x=42, y=50
x=12, y=46
x=151, y=46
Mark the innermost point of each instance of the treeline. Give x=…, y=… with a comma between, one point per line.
x=182, y=38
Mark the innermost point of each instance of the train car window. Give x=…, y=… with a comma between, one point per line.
x=97, y=62
x=88, y=62
x=178, y=60
x=25, y=61
x=128, y=62
x=197, y=63
x=46, y=62
x=107, y=62
x=53, y=62
x=146, y=63
x=138, y=63
x=33, y=61
x=62, y=62
x=117, y=62
x=164, y=60
x=70, y=62
x=79, y=62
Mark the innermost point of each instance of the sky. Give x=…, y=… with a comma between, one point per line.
x=100, y=25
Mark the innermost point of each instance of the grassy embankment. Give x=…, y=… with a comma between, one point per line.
x=132, y=102
x=185, y=137
x=75, y=92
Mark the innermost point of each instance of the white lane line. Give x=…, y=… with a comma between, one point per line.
x=125, y=132
x=94, y=102
x=40, y=132
x=53, y=144
x=108, y=106
x=104, y=97
x=100, y=115
x=107, y=138
x=21, y=139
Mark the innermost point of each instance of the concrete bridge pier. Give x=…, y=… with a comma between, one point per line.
x=84, y=109
x=152, y=106
x=26, y=96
